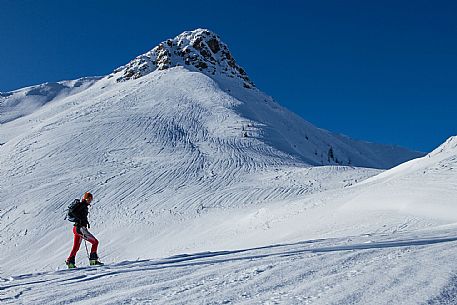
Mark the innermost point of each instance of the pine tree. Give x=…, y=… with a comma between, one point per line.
x=330, y=154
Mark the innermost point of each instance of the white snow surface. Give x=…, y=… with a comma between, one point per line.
x=209, y=192
x=24, y=101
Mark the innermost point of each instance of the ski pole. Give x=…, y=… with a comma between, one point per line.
x=87, y=251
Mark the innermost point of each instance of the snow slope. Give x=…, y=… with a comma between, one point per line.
x=408, y=264
x=425, y=187
x=194, y=163
x=18, y=103
x=327, y=271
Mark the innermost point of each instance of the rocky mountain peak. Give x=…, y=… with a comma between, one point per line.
x=198, y=50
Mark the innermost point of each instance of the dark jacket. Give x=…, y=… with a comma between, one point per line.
x=81, y=211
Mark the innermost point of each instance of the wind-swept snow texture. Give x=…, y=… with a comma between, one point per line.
x=185, y=155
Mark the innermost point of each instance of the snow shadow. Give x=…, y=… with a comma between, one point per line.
x=212, y=258
x=218, y=257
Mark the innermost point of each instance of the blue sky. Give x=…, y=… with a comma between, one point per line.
x=381, y=71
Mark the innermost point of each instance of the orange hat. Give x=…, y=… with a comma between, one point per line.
x=87, y=196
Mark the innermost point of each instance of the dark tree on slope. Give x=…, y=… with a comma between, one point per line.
x=330, y=154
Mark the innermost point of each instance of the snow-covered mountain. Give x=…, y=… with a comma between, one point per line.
x=203, y=51
x=164, y=135
x=259, y=116
x=185, y=154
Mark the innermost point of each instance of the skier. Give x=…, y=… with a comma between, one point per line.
x=77, y=213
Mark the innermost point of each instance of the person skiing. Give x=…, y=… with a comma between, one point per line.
x=77, y=213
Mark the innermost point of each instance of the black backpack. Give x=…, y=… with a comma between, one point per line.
x=71, y=209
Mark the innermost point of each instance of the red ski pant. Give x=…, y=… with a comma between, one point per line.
x=79, y=236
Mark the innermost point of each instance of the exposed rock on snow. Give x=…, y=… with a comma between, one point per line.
x=198, y=50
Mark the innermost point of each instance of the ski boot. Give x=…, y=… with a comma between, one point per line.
x=93, y=260
x=70, y=262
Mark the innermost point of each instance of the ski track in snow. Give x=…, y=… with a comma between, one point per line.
x=361, y=269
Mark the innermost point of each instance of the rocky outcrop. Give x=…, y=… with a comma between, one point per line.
x=198, y=50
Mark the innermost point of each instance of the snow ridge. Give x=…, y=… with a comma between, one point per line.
x=449, y=146
x=21, y=102
x=198, y=50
